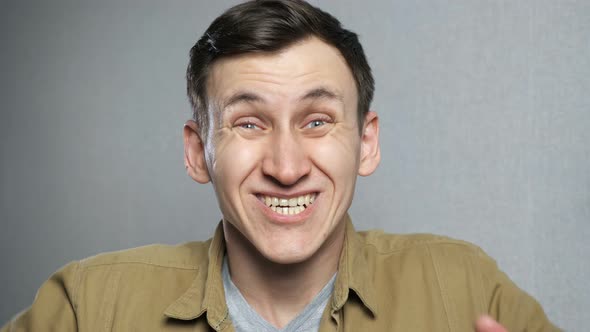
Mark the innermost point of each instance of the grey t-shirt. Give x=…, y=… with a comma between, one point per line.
x=245, y=319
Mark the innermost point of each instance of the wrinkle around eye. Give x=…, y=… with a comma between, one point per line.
x=319, y=131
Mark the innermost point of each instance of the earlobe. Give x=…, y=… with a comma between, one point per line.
x=194, y=153
x=370, y=150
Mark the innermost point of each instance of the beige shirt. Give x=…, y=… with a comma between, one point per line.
x=385, y=282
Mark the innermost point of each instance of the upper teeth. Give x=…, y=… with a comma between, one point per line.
x=292, y=205
x=285, y=202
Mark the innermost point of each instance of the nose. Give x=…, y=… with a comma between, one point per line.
x=286, y=161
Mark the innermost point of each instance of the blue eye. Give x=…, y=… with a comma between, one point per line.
x=248, y=125
x=316, y=123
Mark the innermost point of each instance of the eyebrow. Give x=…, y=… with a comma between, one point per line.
x=322, y=93
x=242, y=97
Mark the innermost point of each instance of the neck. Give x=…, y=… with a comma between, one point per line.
x=278, y=292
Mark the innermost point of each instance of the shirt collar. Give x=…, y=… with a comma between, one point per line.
x=206, y=292
x=353, y=273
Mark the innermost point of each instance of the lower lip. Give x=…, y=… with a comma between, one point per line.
x=280, y=218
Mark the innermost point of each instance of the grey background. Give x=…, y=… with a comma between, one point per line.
x=484, y=110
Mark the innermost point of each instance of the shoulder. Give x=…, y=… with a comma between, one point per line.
x=425, y=253
x=121, y=287
x=386, y=243
x=190, y=255
x=157, y=273
x=431, y=272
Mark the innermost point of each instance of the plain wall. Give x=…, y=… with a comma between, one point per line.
x=484, y=109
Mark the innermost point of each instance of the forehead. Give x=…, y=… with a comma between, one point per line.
x=283, y=76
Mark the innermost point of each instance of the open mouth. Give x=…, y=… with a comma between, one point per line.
x=288, y=206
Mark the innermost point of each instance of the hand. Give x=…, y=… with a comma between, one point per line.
x=488, y=324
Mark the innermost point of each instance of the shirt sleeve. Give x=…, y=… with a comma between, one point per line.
x=509, y=305
x=54, y=306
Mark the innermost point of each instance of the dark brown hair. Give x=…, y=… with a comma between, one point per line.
x=269, y=26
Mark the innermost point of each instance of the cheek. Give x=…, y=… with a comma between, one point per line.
x=229, y=153
x=337, y=156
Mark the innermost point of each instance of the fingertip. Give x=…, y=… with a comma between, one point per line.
x=486, y=323
x=486, y=320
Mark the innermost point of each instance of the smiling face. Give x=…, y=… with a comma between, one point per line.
x=283, y=149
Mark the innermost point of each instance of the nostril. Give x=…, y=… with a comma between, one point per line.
x=285, y=182
x=286, y=162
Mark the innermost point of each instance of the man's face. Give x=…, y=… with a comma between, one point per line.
x=284, y=149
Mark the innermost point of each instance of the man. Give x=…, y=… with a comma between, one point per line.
x=281, y=128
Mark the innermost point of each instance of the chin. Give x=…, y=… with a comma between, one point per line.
x=287, y=256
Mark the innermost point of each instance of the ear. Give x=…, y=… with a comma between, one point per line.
x=370, y=150
x=194, y=153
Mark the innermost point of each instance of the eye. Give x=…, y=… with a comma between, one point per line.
x=248, y=125
x=316, y=123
